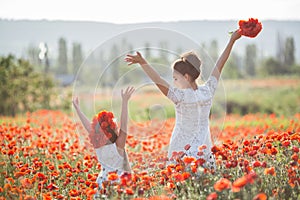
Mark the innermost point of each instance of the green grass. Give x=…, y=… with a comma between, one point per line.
x=280, y=95
x=259, y=96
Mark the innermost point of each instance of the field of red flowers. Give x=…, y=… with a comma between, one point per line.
x=46, y=155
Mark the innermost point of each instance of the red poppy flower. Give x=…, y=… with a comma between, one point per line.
x=256, y=164
x=260, y=196
x=200, y=162
x=222, y=184
x=189, y=159
x=187, y=147
x=52, y=186
x=242, y=181
x=74, y=193
x=112, y=176
x=270, y=171
x=286, y=143
x=250, y=28
x=160, y=197
x=212, y=196
x=129, y=191
x=295, y=149
x=239, y=183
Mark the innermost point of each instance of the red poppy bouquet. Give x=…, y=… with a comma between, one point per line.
x=250, y=28
x=103, y=129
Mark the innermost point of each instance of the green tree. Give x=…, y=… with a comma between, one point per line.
x=33, y=55
x=289, y=52
x=214, y=50
x=77, y=57
x=271, y=66
x=231, y=68
x=124, y=46
x=114, y=65
x=163, y=54
x=22, y=89
x=62, y=56
x=250, y=60
x=206, y=62
x=280, y=49
x=147, y=50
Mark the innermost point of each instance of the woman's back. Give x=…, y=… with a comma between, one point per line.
x=192, y=116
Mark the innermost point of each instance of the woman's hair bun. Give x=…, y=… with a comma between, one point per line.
x=192, y=58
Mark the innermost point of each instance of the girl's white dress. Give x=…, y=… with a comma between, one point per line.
x=192, y=120
x=110, y=160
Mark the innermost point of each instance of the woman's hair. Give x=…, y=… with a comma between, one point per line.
x=189, y=63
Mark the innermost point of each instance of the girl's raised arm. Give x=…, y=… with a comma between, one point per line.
x=162, y=85
x=121, y=140
x=224, y=56
x=84, y=120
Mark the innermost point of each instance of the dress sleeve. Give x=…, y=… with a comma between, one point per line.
x=176, y=95
x=212, y=84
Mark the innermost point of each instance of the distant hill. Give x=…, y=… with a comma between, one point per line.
x=17, y=35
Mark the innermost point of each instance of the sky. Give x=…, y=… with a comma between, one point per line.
x=138, y=11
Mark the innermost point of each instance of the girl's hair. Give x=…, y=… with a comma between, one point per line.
x=114, y=136
x=189, y=63
x=113, y=133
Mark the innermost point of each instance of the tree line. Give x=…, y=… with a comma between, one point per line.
x=252, y=64
x=29, y=83
x=255, y=65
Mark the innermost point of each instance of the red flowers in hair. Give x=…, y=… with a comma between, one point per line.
x=250, y=28
x=103, y=129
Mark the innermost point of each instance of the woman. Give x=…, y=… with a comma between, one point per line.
x=192, y=101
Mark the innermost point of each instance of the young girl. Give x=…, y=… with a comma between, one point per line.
x=192, y=102
x=111, y=155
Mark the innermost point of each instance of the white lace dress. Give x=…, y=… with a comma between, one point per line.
x=110, y=161
x=192, y=120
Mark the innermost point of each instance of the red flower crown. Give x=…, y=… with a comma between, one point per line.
x=250, y=28
x=103, y=129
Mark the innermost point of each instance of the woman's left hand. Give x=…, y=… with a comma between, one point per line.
x=235, y=35
x=133, y=59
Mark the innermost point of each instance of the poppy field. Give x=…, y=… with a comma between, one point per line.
x=47, y=155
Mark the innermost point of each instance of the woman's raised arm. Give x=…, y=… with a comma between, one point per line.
x=224, y=56
x=162, y=85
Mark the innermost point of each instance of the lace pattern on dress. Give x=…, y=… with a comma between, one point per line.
x=176, y=95
x=192, y=119
x=212, y=84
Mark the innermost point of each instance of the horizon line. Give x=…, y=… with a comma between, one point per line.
x=146, y=22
